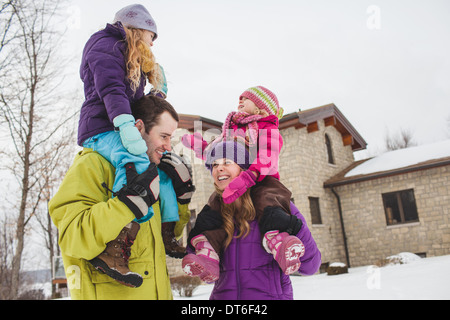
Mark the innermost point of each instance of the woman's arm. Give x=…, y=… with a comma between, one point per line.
x=312, y=259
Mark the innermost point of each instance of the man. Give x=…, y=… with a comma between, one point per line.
x=88, y=218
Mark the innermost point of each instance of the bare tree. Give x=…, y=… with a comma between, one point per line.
x=33, y=109
x=49, y=184
x=402, y=140
x=7, y=15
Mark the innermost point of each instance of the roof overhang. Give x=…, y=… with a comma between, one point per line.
x=331, y=116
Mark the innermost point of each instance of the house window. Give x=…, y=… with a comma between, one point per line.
x=400, y=207
x=316, y=218
x=329, y=149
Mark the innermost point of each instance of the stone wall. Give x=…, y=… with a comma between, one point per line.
x=303, y=168
x=371, y=239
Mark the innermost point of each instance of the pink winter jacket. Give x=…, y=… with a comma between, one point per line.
x=268, y=147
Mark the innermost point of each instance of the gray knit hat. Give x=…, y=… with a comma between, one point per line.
x=136, y=16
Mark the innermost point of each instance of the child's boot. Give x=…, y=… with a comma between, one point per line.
x=173, y=249
x=286, y=249
x=114, y=260
x=204, y=263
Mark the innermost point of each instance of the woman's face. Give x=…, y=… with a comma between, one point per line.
x=224, y=171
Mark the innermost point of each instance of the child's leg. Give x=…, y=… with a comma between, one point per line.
x=204, y=263
x=168, y=199
x=207, y=239
x=279, y=230
x=109, y=145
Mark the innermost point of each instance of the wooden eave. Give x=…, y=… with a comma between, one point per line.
x=188, y=122
x=331, y=116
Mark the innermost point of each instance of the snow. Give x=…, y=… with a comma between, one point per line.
x=415, y=279
x=403, y=158
x=338, y=265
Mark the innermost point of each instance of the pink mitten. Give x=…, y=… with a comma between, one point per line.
x=238, y=186
x=195, y=142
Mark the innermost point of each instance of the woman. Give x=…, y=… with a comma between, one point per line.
x=247, y=270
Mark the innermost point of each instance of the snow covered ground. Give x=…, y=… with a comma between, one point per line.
x=422, y=279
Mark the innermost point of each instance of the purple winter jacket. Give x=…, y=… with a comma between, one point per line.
x=248, y=272
x=106, y=86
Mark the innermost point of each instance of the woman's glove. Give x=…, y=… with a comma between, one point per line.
x=238, y=186
x=195, y=142
x=129, y=134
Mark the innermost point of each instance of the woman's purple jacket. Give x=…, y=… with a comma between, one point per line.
x=248, y=272
x=106, y=87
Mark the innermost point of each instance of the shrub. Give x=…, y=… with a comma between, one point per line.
x=185, y=285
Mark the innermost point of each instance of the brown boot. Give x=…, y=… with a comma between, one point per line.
x=114, y=260
x=173, y=249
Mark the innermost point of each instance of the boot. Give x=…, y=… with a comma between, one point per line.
x=204, y=263
x=173, y=249
x=114, y=260
x=286, y=250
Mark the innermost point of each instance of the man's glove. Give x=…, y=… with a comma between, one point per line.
x=181, y=174
x=129, y=134
x=141, y=190
x=238, y=186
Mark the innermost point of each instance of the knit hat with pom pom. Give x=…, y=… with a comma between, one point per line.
x=264, y=99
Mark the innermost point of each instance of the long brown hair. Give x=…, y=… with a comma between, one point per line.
x=136, y=57
x=238, y=213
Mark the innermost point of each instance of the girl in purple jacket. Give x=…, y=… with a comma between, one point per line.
x=116, y=64
x=249, y=270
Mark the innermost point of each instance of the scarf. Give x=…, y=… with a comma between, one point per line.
x=242, y=119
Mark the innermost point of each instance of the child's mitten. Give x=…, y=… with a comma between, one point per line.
x=162, y=93
x=195, y=142
x=129, y=134
x=238, y=186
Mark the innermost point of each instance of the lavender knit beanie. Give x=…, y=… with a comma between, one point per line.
x=136, y=16
x=233, y=150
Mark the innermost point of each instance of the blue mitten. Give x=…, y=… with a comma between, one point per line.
x=163, y=92
x=129, y=134
x=164, y=88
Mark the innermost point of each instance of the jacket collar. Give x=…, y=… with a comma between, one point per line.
x=116, y=29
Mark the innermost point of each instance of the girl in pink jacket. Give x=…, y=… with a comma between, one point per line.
x=252, y=141
x=257, y=122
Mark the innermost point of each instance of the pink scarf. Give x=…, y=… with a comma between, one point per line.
x=242, y=119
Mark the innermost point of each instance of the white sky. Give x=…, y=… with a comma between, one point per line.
x=395, y=74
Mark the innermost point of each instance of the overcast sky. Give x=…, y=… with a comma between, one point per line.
x=384, y=64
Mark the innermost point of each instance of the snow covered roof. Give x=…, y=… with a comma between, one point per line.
x=395, y=162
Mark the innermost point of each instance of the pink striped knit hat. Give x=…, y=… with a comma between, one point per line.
x=264, y=99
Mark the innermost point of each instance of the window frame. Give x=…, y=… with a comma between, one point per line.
x=329, y=146
x=316, y=217
x=401, y=210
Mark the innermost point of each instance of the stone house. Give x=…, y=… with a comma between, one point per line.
x=357, y=219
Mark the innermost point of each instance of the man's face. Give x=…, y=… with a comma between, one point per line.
x=159, y=138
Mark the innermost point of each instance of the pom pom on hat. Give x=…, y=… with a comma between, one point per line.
x=264, y=99
x=136, y=16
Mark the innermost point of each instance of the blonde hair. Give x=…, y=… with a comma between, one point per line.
x=140, y=59
x=238, y=213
